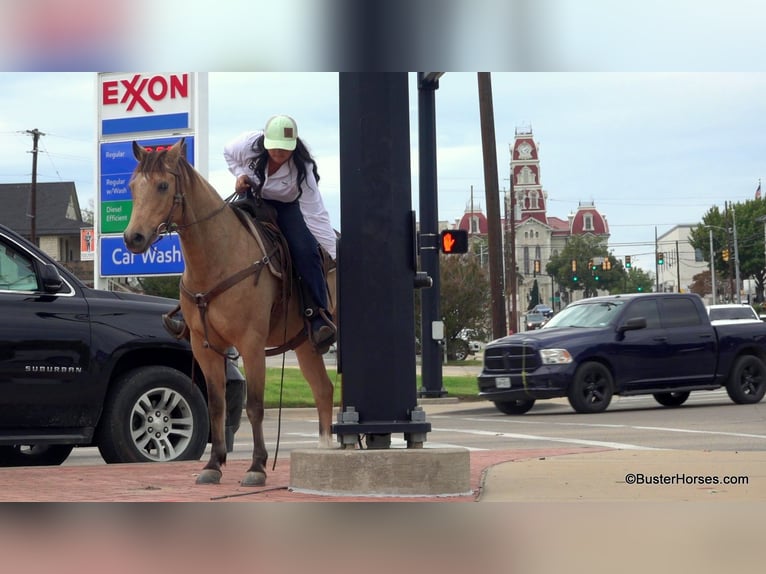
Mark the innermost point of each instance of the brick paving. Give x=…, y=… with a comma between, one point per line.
x=174, y=482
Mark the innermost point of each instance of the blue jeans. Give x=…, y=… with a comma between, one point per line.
x=304, y=251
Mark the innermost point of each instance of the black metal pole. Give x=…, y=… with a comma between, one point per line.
x=430, y=310
x=376, y=264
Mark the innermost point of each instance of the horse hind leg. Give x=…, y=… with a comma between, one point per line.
x=314, y=371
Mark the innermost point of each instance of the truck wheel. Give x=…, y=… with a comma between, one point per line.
x=153, y=414
x=34, y=455
x=459, y=350
x=518, y=407
x=672, y=399
x=747, y=383
x=592, y=388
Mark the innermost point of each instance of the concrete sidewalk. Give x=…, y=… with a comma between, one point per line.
x=622, y=476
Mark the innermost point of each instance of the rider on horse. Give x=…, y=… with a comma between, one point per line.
x=276, y=165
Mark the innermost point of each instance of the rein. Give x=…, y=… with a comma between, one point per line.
x=179, y=198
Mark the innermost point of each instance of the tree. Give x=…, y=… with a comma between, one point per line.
x=750, y=240
x=638, y=281
x=534, y=296
x=161, y=286
x=581, y=249
x=465, y=298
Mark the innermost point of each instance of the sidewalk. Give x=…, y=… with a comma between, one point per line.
x=524, y=475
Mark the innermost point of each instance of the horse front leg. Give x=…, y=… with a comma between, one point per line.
x=255, y=372
x=213, y=367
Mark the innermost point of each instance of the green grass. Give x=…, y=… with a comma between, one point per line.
x=296, y=392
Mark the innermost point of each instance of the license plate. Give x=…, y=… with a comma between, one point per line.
x=503, y=382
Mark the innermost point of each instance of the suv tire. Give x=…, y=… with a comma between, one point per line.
x=153, y=414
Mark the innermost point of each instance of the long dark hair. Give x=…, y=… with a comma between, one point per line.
x=301, y=156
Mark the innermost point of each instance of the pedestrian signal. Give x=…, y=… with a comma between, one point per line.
x=454, y=241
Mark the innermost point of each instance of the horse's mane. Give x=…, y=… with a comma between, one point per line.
x=156, y=162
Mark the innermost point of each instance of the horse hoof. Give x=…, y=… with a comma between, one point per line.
x=253, y=478
x=209, y=476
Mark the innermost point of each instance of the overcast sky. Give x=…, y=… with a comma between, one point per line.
x=651, y=150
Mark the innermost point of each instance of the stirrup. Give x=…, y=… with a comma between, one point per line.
x=323, y=337
x=176, y=327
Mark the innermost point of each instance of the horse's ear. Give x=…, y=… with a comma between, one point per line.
x=178, y=150
x=138, y=152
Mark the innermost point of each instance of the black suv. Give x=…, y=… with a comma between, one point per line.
x=87, y=367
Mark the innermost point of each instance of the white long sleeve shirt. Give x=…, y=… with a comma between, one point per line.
x=282, y=185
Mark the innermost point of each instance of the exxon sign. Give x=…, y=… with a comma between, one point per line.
x=140, y=103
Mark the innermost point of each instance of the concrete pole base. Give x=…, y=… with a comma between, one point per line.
x=381, y=472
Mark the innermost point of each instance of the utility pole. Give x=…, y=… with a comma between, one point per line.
x=487, y=118
x=35, y=133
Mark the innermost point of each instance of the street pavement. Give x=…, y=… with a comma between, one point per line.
x=553, y=474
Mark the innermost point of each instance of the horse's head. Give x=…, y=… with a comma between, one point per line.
x=157, y=198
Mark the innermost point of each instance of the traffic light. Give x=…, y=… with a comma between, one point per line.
x=640, y=288
x=574, y=265
x=627, y=262
x=725, y=254
x=537, y=266
x=607, y=264
x=454, y=241
x=660, y=258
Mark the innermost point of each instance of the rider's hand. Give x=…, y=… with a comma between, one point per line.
x=242, y=184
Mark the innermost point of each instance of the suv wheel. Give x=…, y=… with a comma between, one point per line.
x=153, y=414
x=34, y=455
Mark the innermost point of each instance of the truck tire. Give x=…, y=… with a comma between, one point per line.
x=517, y=407
x=591, y=389
x=747, y=382
x=142, y=398
x=34, y=455
x=671, y=399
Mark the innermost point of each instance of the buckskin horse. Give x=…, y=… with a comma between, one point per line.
x=230, y=296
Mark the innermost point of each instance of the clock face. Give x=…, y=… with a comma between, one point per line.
x=525, y=151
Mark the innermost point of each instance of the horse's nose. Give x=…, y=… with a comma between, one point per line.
x=133, y=241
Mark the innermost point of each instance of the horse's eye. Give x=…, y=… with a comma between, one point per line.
x=163, y=186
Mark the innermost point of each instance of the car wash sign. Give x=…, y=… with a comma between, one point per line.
x=140, y=103
x=155, y=110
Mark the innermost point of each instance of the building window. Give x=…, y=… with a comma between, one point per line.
x=534, y=199
x=526, y=260
x=587, y=221
x=474, y=224
x=526, y=176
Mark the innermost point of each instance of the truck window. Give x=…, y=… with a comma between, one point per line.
x=679, y=312
x=646, y=308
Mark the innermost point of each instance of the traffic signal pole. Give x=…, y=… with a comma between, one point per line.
x=430, y=305
x=376, y=265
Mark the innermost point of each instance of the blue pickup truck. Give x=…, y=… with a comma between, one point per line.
x=661, y=344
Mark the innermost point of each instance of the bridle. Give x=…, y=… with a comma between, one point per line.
x=168, y=226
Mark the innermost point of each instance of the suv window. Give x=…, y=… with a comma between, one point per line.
x=679, y=312
x=17, y=272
